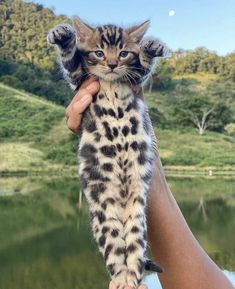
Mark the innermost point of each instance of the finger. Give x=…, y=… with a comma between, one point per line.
x=88, y=81
x=75, y=113
x=79, y=106
x=92, y=88
x=142, y=286
x=112, y=285
x=82, y=99
x=73, y=123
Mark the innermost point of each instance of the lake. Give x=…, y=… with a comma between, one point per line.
x=45, y=238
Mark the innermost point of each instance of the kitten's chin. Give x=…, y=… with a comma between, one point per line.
x=111, y=77
x=108, y=77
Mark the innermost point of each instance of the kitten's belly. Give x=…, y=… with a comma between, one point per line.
x=115, y=146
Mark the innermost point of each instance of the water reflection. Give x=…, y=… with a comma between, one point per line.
x=45, y=241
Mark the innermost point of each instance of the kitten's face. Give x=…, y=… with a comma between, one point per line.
x=111, y=53
x=112, y=57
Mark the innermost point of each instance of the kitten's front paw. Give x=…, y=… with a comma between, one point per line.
x=60, y=34
x=154, y=48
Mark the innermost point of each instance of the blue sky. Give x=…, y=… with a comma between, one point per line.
x=209, y=23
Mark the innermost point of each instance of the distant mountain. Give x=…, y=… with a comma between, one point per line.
x=23, y=30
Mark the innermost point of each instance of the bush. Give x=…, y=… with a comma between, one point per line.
x=230, y=129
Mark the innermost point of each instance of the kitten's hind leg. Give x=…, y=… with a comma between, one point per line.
x=135, y=237
x=108, y=230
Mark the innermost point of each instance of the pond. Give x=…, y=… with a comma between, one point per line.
x=45, y=238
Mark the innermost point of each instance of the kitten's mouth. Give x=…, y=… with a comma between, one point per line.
x=111, y=72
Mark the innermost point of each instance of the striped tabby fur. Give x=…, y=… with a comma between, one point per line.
x=116, y=144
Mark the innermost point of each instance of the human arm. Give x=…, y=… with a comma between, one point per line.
x=173, y=245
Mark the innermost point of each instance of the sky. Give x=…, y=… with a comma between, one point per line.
x=183, y=24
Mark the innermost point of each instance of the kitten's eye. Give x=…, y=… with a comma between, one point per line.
x=99, y=53
x=123, y=53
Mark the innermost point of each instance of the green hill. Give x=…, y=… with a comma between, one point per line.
x=33, y=133
x=34, y=138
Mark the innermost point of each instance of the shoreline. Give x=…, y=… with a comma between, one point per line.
x=174, y=171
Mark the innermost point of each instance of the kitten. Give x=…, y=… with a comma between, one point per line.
x=116, y=144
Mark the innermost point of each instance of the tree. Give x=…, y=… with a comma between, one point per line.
x=23, y=30
x=198, y=60
x=201, y=120
x=162, y=77
x=202, y=113
x=227, y=67
x=31, y=78
x=158, y=119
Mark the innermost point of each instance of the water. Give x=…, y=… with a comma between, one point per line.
x=45, y=240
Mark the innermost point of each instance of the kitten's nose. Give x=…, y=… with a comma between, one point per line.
x=112, y=65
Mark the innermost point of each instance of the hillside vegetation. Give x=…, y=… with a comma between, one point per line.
x=26, y=60
x=33, y=133
x=34, y=138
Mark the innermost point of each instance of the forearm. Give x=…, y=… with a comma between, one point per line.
x=173, y=245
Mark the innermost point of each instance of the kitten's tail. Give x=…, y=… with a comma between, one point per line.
x=152, y=266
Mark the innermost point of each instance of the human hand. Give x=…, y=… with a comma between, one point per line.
x=113, y=286
x=80, y=102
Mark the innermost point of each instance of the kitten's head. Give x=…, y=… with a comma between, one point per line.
x=110, y=52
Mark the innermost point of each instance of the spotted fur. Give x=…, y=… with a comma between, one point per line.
x=116, y=144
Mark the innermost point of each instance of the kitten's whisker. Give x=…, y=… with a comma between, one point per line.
x=134, y=67
x=125, y=76
x=134, y=72
x=131, y=77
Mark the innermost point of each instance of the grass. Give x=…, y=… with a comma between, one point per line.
x=33, y=134
x=25, y=117
x=19, y=156
x=34, y=138
x=203, y=78
x=189, y=149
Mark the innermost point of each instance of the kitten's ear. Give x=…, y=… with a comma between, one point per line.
x=137, y=32
x=83, y=30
